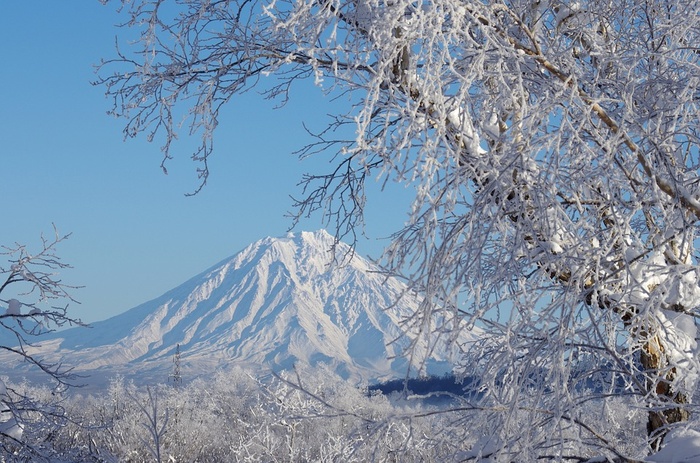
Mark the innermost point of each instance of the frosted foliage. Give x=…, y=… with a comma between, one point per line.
x=553, y=150
x=307, y=415
x=234, y=417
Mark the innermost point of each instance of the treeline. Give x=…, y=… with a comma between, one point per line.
x=310, y=415
x=232, y=416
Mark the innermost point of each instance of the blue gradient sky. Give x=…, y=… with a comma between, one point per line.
x=134, y=232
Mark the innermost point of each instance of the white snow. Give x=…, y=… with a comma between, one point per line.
x=13, y=307
x=9, y=425
x=482, y=449
x=681, y=446
x=679, y=335
x=460, y=119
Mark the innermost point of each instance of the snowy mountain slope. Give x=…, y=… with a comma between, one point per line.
x=277, y=302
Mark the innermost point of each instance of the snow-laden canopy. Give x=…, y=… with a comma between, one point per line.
x=553, y=149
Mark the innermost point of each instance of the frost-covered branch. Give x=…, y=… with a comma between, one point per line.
x=31, y=283
x=553, y=149
x=30, y=292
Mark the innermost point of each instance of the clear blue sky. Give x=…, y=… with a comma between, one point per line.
x=134, y=232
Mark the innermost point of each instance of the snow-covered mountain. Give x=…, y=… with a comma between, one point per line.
x=277, y=302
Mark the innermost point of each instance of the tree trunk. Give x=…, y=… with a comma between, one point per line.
x=660, y=376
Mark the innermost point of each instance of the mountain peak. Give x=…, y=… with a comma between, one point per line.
x=320, y=241
x=306, y=254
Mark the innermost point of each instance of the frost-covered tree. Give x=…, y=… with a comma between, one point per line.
x=33, y=301
x=554, y=152
x=233, y=416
